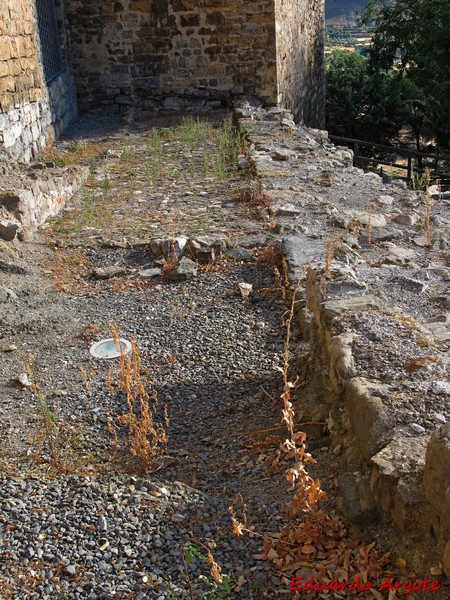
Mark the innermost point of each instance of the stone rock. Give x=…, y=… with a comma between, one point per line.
x=9, y=348
x=108, y=243
x=441, y=387
x=240, y=254
x=373, y=178
x=344, y=273
x=436, y=192
x=376, y=220
x=413, y=284
x=350, y=240
x=443, y=300
x=24, y=381
x=202, y=254
x=10, y=200
x=421, y=241
x=108, y=272
x=156, y=246
x=359, y=505
x=300, y=250
x=417, y=428
x=173, y=247
x=380, y=234
x=173, y=103
x=386, y=200
x=242, y=163
x=186, y=269
x=8, y=267
x=398, y=256
x=368, y=417
x=288, y=123
x=246, y=107
x=7, y=295
x=437, y=220
x=8, y=249
x=113, y=153
x=149, y=273
x=252, y=241
x=440, y=418
x=218, y=242
x=397, y=483
x=8, y=230
x=205, y=256
x=245, y=289
x=346, y=157
x=335, y=309
x=177, y=518
x=400, y=183
x=341, y=221
x=281, y=154
x=342, y=363
x=406, y=219
x=437, y=470
x=286, y=210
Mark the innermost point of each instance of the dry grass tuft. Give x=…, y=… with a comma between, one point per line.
x=329, y=256
x=169, y=266
x=145, y=437
x=272, y=256
x=68, y=267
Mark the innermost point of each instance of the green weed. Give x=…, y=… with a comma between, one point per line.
x=218, y=585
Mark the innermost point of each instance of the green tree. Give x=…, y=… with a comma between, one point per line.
x=363, y=103
x=413, y=36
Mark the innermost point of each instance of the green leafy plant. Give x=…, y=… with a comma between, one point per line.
x=58, y=446
x=218, y=585
x=50, y=425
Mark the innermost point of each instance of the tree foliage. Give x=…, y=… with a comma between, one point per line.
x=413, y=36
x=362, y=103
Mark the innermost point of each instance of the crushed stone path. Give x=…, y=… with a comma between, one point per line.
x=100, y=529
x=77, y=517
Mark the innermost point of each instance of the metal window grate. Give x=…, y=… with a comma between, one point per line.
x=49, y=37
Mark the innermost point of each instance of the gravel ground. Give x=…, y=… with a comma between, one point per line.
x=89, y=524
x=84, y=522
x=100, y=534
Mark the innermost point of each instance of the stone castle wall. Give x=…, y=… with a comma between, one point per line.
x=30, y=110
x=180, y=53
x=300, y=59
x=171, y=54
x=168, y=53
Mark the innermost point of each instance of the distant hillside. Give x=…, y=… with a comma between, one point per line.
x=343, y=10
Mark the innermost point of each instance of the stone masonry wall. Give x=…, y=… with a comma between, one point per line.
x=373, y=310
x=30, y=111
x=166, y=51
x=300, y=59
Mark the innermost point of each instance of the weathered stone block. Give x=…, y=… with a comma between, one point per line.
x=367, y=416
x=437, y=470
x=359, y=505
x=5, y=48
x=397, y=484
x=8, y=230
